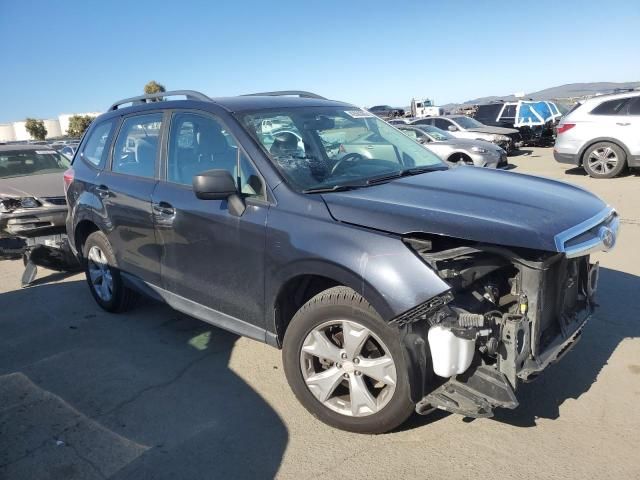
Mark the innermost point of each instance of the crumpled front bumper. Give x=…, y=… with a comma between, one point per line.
x=29, y=222
x=553, y=353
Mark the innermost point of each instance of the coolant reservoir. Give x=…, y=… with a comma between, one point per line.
x=451, y=355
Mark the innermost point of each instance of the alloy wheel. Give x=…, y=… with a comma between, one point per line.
x=348, y=368
x=100, y=274
x=602, y=160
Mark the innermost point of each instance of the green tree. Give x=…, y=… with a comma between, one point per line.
x=154, y=87
x=36, y=128
x=78, y=124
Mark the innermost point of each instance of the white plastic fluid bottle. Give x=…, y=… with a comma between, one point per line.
x=451, y=355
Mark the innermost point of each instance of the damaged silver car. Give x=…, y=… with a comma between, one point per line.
x=32, y=198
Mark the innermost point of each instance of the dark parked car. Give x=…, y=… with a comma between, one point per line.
x=536, y=121
x=386, y=112
x=392, y=283
x=32, y=199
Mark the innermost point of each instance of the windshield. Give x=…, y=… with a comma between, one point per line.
x=325, y=147
x=20, y=163
x=467, y=122
x=436, y=133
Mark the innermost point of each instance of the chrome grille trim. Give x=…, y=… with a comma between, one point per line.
x=608, y=218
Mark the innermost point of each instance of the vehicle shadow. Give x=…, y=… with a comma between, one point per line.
x=521, y=152
x=581, y=172
x=574, y=374
x=146, y=394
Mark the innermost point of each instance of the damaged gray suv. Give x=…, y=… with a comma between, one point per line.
x=392, y=282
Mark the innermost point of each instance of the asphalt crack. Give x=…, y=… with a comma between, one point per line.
x=181, y=373
x=87, y=461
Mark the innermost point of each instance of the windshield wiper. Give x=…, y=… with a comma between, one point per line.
x=404, y=173
x=333, y=188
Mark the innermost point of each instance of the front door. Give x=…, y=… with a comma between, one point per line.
x=211, y=257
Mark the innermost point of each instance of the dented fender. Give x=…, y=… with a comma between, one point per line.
x=375, y=264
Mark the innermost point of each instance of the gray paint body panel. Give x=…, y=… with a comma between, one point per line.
x=491, y=206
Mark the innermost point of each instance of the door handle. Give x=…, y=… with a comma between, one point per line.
x=164, y=209
x=623, y=124
x=103, y=191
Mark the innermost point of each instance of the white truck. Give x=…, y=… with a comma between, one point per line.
x=421, y=108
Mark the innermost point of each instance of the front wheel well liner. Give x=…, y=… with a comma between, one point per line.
x=457, y=156
x=293, y=295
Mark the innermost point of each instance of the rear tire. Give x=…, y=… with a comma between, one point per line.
x=604, y=160
x=333, y=378
x=103, y=276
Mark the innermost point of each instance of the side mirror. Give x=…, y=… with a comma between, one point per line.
x=219, y=185
x=214, y=185
x=452, y=128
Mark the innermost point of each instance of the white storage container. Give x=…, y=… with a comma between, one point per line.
x=451, y=355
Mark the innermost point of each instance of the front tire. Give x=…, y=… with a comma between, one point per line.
x=103, y=275
x=604, y=160
x=345, y=364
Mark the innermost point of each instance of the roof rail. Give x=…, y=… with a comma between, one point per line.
x=282, y=93
x=189, y=94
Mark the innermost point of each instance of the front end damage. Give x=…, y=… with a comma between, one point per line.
x=509, y=314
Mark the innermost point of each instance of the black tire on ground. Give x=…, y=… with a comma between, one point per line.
x=342, y=303
x=620, y=165
x=123, y=298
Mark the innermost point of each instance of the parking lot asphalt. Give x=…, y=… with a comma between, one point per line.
x=155, y=394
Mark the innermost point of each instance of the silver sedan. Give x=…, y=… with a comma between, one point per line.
x=455, y=150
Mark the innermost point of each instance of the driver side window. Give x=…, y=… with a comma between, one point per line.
x=198, y=143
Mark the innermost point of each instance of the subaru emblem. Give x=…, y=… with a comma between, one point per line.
x=607, y=237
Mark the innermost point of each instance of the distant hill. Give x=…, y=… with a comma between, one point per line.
x=563, y=91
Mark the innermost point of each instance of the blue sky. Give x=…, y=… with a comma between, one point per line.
x=76, y=56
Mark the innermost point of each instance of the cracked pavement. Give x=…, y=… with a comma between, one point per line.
x=154, y=394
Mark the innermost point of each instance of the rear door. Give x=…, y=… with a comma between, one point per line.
x=630, y=133
x=211, y=257
x=126, y=190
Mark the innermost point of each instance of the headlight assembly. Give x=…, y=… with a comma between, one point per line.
x=29, y=202
x=478, y=149
x=11, y=204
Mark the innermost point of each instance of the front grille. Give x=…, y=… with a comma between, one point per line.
x=595, y=234
x=56, y=200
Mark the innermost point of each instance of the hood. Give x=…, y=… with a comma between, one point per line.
x=466, y=143
x=496, y=130
x=478, y=204
x=46, y=185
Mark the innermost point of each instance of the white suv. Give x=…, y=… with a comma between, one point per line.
x=602, y=134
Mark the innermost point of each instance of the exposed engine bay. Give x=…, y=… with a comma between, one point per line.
x=508, y=315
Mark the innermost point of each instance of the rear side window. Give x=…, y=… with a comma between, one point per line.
x=96, y=148
x=509, y=112
x=442, y=123
x=634, y=108
x=611, y=107
x=136, y=148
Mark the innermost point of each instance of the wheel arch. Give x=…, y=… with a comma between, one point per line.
x=298, y=288
x=83, y=229
x=460, y=155
x=592, y=142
